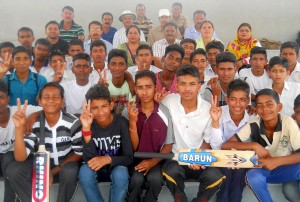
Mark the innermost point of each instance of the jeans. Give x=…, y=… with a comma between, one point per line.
x=257, y=179
x=88, y=180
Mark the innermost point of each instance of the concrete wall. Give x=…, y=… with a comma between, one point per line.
x=275, y=19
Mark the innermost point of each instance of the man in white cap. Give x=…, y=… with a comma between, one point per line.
x=158, y=32
x=127, y=18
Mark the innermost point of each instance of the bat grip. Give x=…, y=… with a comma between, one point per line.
x=153, y=155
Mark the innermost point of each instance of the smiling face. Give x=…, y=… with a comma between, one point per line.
x=207, y=30
x=101, y=109
x=52, y=31
x=267, y=108
x=237, y=101
x=117, y=67
x=170, y=33
x=133, y=35
x=51, y=100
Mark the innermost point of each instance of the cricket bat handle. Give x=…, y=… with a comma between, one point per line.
x=153, y=155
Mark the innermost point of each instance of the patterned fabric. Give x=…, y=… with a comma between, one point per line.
x=182, y=22
x=159, y=47
x=146, y=25
x=72, y=33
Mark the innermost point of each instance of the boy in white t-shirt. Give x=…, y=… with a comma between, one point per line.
x=76, y=89
x=257, y=74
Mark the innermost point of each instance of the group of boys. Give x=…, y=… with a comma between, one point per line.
x=97, y=111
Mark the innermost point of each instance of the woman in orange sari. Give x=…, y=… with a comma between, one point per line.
x=243, y=44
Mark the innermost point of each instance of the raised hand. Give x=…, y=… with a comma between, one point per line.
x=59, y=71
x=132, y=112
x=215, y=111
x=215, y=87
x=4, y=65
x=160, y=94
x=102, y=79
x=19, y=117
x=86, y=117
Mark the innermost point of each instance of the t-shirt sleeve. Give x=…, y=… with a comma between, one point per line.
x=76, y=138
x=294, y=133
x=170, y=139
x=244, y=135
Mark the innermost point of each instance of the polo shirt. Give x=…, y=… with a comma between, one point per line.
x=159, y=47
x=157, y=34
x=286, y=137
x=120, y=37
x=146, y=25
x=288, y=95
x=295, y=75
x=190, y=129
x=42, y=70
x=209, y=71
x=227, y=128
x=87, y=46
x=28, y=90
x=133, y=70
x=72, y=33
x=154, y=131
x=192, y=33
x=109, y=36
x=61, y=45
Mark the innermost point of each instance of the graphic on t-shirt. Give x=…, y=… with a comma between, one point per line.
x=108, y=145
x=120, y=102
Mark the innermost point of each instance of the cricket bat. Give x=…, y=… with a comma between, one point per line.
x=41, y=166
x=206, y=157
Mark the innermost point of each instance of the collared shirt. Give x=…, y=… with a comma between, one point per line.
x=192, y=33
x=226, y=129
x=191, y=129
x=109, y=36
x=155, y=130
x=49, y=75
x=200, y=42
x=159, y=85
x=159, y=47
x=120, y=37
x=204, y=84
x=295, y=75
x=182, y=23
x=133, y=70
x=42, y=70
x=94, y=75
x=157, y=34
x=289, y=93
x=209, y=71
x=87, y=46
x=72, y=33
x=25, y=91
x=146, y=25
x=62, y=140
x=286, y=136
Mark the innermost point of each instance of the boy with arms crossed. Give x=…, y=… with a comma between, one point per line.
x=107, y=150
x=275, y=138
x=151, y=130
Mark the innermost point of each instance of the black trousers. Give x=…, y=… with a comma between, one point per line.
x=152, y=182
x=210, y=181
x=18, y=179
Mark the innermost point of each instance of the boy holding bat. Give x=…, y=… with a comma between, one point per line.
x=192, y=128
x=275, y=138
x=62, y=139
x=107, y=150
x=151, y=130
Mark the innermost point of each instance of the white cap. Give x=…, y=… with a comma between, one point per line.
x=127, y=12
x=163, y=12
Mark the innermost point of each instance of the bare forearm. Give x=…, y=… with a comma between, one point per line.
x=20, y=147
x=205, y=146
x=239, y=145
x=288, y=160
x=167, y=148
x=134, y=137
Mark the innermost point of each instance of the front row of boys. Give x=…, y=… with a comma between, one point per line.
x=107, y=141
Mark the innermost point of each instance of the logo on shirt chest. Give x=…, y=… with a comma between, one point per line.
x=63, y=139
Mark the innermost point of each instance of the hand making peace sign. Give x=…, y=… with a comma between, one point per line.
x=4, y=65
x=86, y=117
x=102, y=79
x=19, y=117
x=215, y=111
x=59, y=72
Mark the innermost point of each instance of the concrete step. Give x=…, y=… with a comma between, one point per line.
x=165, y=196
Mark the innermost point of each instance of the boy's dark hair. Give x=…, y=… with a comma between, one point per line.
x=269, y=92
x=52, y=22
x=55, y=85
x=225, y=57
x=198, y=51
x=3, y=87
x=174, y=47
x=187, y=40
x=68, y=8
x=290, y=44
x=56, y=53
x=216, y=45
x=97, y=43
x=21, y=49
x=238, y=85
x=146, y=73
x=76, y=42
x=83, y=56
x=130, y=26
x=144, y=47
x=98, y=92
x=258, y=50
x=297, y=101
x=25, y=29
x=177, y=4
x=43, y=41
x=199, y=12
x=188, y=70
x=95, y=23
x=170, y=24
x=107, y=13
x=6, y=44
x=117, y=53
x=276, y=60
